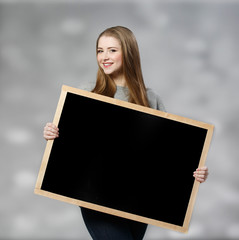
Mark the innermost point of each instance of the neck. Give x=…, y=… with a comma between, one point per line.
x=120, y=81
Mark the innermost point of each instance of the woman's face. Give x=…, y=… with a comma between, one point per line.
x=109, y=56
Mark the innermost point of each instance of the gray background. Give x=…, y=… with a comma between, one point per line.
x=189, y=52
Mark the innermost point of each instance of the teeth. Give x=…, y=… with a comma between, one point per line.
x=107, y=64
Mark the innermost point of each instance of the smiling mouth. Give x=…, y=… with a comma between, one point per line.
x=107, y=64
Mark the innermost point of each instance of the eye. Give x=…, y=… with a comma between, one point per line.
x=99, y=51
x=113, y=50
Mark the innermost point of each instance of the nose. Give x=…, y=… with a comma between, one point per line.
x=105, y=57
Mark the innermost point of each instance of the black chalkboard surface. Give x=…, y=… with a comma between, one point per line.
x=124, y=159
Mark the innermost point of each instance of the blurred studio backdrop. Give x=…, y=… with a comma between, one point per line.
x=190, y=57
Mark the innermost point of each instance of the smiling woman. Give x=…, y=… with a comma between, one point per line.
x=119, y=76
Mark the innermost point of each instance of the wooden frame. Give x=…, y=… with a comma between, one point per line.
x=153, y=192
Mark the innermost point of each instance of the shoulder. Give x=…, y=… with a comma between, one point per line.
x=87, y=86
x=155, y=100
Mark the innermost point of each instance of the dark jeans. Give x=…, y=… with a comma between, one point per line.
x=103, y=226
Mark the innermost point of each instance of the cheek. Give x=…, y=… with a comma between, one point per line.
x=98, y=59
x=118, y=59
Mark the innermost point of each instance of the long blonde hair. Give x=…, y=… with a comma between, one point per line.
x=131, y=68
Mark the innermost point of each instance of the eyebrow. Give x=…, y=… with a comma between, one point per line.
x=107, y=48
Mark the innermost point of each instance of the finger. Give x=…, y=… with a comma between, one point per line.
x=201, y=180
x=52, y=125
x=53, y=130
x=201, y=176
x=201, y=172
x=49, y=134
x=204, y=168
x=52, y=134
x=49, y=125
x=50, y=129
x=50, y=138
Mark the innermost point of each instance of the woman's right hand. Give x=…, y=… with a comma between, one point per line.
x=50, y=131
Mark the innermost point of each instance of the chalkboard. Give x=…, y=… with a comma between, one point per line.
x=124, y=159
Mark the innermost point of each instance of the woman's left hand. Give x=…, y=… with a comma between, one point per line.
x=201, y=174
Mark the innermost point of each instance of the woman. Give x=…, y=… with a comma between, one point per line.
x=119, y=76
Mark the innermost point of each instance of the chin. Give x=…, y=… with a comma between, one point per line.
x=108, y=72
